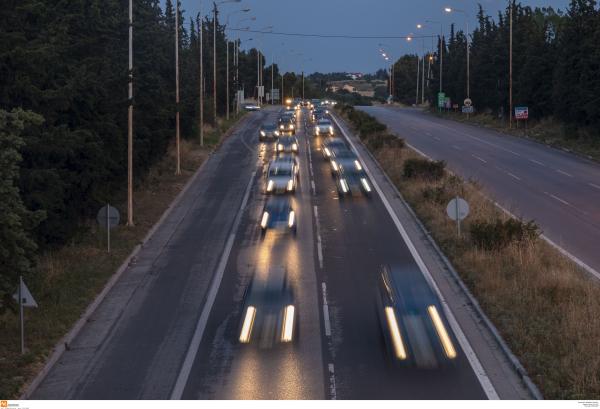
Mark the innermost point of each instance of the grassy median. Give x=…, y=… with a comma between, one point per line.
x=69, y=279
x=545, y=308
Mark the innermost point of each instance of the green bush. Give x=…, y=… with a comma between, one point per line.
x=490, y=235
x=452, y=187
x=385, y=140
x=424, y=168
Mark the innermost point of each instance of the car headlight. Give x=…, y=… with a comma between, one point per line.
x=327, y=112
x=264, y=220
x=439, y=326
x=288, y=324
x=357, y=165
x=280, y=147
x=331, y=129
x=291, y=221
x=270, y=186
x=294, y=146
x=281, y=126
x=248, y=323
x=344, y=185
x=335, y=166
x=262, y=133
x=291, y=126
x=276, y=133
x=395, y=332
x=327, y=152
x=290, y=185
x=366, y=185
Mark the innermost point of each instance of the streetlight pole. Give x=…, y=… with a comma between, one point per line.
x=441, y=51
x=294, y=73
x=130, y=125
x=272, y=70
x=283, y=73
x=237, y=74
x=510, y=112
x=423, y=81
x=227, y=72
x=310, y=59
x=258, y=62
x=429, y=65
x=448, y=10
x=391, y=72
x=215, y=56
x=237, y=85
x=418, y=51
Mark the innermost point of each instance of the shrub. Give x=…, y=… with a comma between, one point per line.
x=385, y=140
x=424, y=168
x=452, y=187
x=496, y=235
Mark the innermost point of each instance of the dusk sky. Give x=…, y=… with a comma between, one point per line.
x=374, y=18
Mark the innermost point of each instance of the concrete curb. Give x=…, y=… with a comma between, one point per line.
x=62, y=347
x=512, y=358
x=564, y=150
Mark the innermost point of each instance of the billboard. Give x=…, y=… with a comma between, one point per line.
x=522, y=113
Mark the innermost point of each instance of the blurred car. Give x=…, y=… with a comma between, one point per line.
x=323, y=126
x=290, y=157
x=269, y=314
x=414, y=329
x=286, y=124
x=278, y=214
x=282, y=176
x=268, y=130
x=288, y=103
x=344, y=157
x=351, y=178
x=331, y=144
x=321, y=116
x=285, y=115
x=306, y=102
x=287, y=143
x=250, y=106
x=290, y=112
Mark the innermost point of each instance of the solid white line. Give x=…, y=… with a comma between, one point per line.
x=594, y=185
x=313, y=186
x=479, y=158
x=324, y=288
x=320, y=251
x=418, y=151
x=539, y=163
x=512, y=175
x=326, y=317
x=426, y=133
x=559, y=199
x=437, y=138
x=193, y=350
x=487, y=386
x=414, y=128
x=311, y=171
x=560, y=171
x=457, y=147
x=332, y=383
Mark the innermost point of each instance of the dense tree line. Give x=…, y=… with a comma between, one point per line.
x=556, y=64
x=64, y=74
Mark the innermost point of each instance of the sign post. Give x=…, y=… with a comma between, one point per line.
x=441, y=100
x=23, y=296
x=457, y=210
x=522, y=113
x=467, y=103
x=108, y=217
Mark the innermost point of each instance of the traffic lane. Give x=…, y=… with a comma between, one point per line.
x=144, y=347
x=562, y=218
x=358, y=237
x=572, y=177
x=226, y=369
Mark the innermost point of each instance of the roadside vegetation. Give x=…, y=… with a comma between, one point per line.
x=67, y=279
x=542, y=304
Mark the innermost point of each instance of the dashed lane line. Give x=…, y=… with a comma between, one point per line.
x=564, y=173
x=479, y=158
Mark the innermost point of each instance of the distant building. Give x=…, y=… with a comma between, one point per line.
x=354, y=75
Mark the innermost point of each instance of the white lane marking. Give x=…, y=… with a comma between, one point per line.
x=487, y=386
x=457, y=147
x=312, y=182
x=419, y=152
x=402, y=123
x=437, y=138
x=560, y=171
x=317, y=215
x=326, y=318
x=332, y=383
x=560, y=200
x=539, y=163
x=311, y=171
x=320, y=251
x=594, y=185
x=324, y=288
x=414, y=128
x=426, y=133
x=309, y=150
x=479, y=158
x=193, y=350
x=510, y=174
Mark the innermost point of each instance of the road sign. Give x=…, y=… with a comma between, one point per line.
x=28, y=300
x=241, y=97
x=103, y=216
x=261, y=91
x=274, y=94
x=468, y=102
x=467, y=109
x=448, y=103
x=457, y=209
x=522, y=113
x=441, y=99
x=455, y=106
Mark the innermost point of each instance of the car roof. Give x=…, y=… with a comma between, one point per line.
x=284, y=164
x=335, y=142
x=287, y=138
x=323, y=120
x=268, y=125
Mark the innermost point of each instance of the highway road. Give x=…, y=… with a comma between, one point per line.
x=560, y=191
x=168, y=328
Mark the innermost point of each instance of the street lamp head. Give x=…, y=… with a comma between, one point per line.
x=270, y=27
x=253, y=18
x=282, y=43
x=246, y=9
x=383, y=54
x=246, y=28
x=250, y=39
x=448, y=9
x=408, y=38
x=431, y=57
x=418, y=26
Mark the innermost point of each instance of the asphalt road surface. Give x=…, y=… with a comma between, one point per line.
x=168, y=328
x=560, y=191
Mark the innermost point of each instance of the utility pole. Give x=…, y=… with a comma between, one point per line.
x=510, y=113
x=441, y=52
x=178, y=170
x=214, y=64
x=130, y=125
x=201, y=79
x=272, y=70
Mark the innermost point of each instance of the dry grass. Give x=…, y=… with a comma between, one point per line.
x=545, y=308
x=69, y=279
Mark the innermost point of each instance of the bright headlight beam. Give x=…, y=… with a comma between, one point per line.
x=262, y=133
x=288, y=324
x=357, y=165
x=280, y=147
x=395, y=332
x=294, y=146
x=366, y=185
x=291, y=221
x=290, y=185
x=335, y=167
x=270, y=186
x=264, y=220
x=343, y=184
x=248, y=323
x=441, y=330
x=281, y=126
x=327, y=152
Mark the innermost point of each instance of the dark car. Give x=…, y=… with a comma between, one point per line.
x=306, y=102
x=268, y=130
x=352, y=179
x=286, y=115
x=287, y=143
x=318, y=111
x=331, y=144
x=269, y=313
x=286, y=124
x=414, y=329
x=278, y=214
x=344, y=157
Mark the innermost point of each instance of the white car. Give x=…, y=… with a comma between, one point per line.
x=282, y=177
x=324, y=127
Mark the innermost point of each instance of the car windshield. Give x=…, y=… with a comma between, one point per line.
x=336, y=143
x=268, y=126
x=286, y=120
x=277, y=206
x=345, y=154
x=279, y=170
x=324, y=122
x=287, y=139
